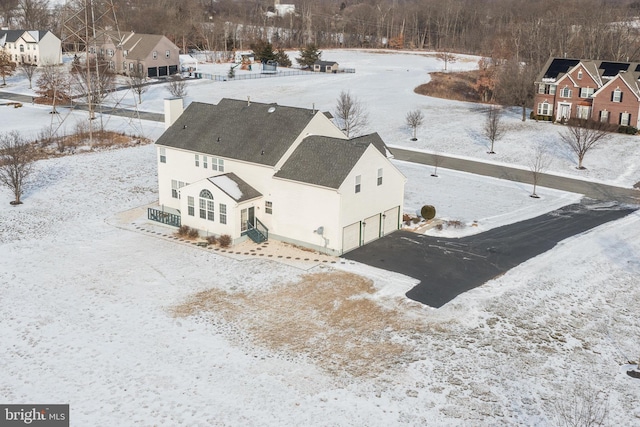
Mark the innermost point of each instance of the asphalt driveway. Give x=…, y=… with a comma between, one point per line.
x=448, y=267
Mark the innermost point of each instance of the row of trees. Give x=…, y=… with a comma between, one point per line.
x=522, y=29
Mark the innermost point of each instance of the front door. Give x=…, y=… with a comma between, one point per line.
x=564, y=112
x=247, y=215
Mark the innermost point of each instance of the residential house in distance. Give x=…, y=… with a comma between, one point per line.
x=151, y=55
x=589, y=89
x=32, y=47
x=265, y=171
x=325, y=66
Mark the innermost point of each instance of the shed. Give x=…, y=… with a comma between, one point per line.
x=325, y=66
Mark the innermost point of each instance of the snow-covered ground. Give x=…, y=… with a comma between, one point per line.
x=86, y=305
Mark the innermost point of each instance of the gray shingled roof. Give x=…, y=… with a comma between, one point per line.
x=234, y=130
x=248, y=192
x=13, y=35
x=326, y=161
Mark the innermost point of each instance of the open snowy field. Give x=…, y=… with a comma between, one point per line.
x=92, y=313
x=384, y=83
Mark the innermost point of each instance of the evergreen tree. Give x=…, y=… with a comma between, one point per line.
x=263, y=51
x=282, y=58
x=309, y=55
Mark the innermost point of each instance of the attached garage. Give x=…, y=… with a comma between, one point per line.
x=391, y=220
x=371, y=228
x=152, y=72
x=163, y=71
x=351, y=237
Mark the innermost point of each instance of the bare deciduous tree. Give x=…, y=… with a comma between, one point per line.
x=34, y=14
x=437, y=160
x=538, y=162
x=582, y=135
x=6, y=66
x=585, y=406
x=138, y=83
x=446, y=57
x=350, y=113
x=494, y=128
x=53, y=86
x=414, y=119
x=514, y=85
x=177, y=86
x=95, y=80
x=29, y=71
x=16, y=161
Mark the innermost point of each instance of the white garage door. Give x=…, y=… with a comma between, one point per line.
x=351, y=237
x=390, y=220
x=371, y=228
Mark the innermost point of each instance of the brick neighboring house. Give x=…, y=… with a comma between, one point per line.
x=32, y=47
x=606, y=91
x=150, y=54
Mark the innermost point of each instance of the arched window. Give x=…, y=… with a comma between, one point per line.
x=206, y=205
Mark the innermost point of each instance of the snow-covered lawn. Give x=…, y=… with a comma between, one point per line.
x=88, y=308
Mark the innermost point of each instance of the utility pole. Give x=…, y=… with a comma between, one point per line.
x=85, y=24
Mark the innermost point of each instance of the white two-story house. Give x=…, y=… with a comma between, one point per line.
x=32, y=47
x=268, y=171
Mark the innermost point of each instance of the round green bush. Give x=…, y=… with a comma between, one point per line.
x=428, y=212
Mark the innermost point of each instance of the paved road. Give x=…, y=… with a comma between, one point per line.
x=448, y=267
x=122, y=112
x=593, y=190
x=590, y=189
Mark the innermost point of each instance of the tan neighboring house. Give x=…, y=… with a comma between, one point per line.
x=325, y=67
x=150, y=54
x=32, y=46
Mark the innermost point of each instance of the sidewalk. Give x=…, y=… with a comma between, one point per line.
x=305, y=259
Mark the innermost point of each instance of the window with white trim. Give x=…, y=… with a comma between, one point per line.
x=586, y=92
x=268, y=207
x=155, y=54
x=565, y=92
x=625, y=119
x=380, y=176
x=110, y=52
x=175, y=187
x=191, y=207
x=207, y=205
x=130, y=66
x=580, y=75
x=616, y=95
x=544, y=109
x=204, y=162
x=223, y=213
x=604, y=116
x=217, y=164
x=167, y=54
x=358, y=180
x=197, y=159
x=583, y=112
